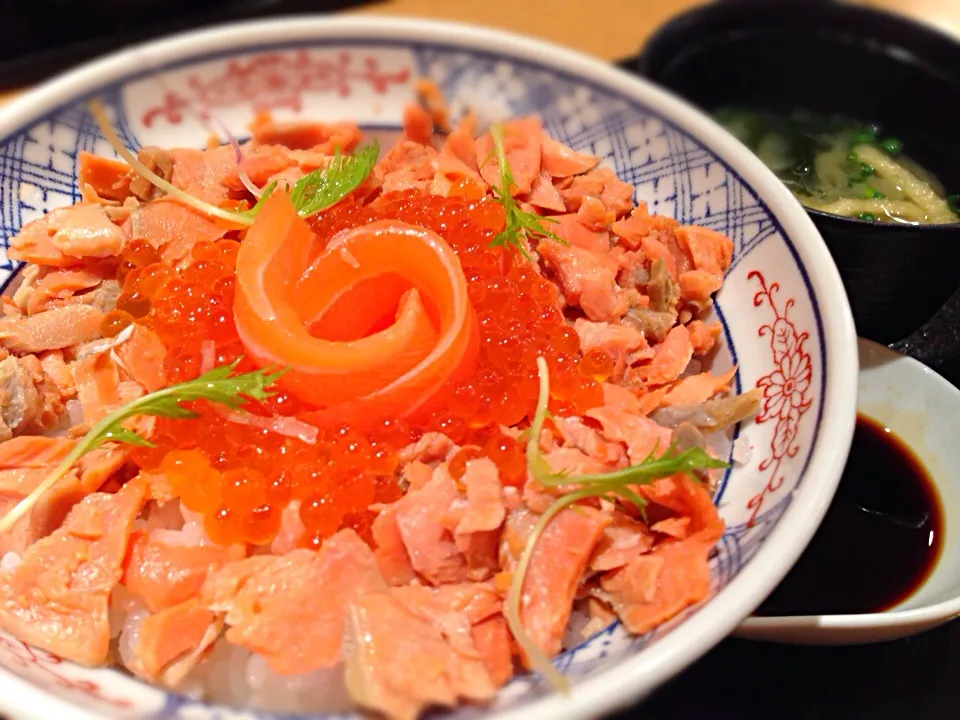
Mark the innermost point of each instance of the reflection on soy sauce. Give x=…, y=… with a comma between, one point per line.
x=880, y=540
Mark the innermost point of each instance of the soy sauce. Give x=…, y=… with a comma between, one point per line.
x=880, y=539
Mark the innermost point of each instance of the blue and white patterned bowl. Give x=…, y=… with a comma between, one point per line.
x=787, y=324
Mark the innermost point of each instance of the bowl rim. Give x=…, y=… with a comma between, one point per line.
x=636, y=676
x=849, y=12
x=913, y=373
x=890, y=227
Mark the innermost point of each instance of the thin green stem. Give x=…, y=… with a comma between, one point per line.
x=215, y=386
x=99, y=114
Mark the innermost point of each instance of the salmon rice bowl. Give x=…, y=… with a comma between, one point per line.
x=306, y=423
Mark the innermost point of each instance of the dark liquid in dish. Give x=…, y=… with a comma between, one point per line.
x=880, y=540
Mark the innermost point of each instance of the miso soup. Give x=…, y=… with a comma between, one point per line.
x=842, y=166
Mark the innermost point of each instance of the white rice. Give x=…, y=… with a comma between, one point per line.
x=719, y=443
x=122, y=601
x=742, y=450
x=193, y=689
x=235, y=676
x=156, y=518
x=173, y=525
x=166, y=516
x=74, y=411
x=573, y=635
x=190, y=535
x=130, y=633
x=321, y=689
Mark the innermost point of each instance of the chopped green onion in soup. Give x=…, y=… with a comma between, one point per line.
x=842, y=167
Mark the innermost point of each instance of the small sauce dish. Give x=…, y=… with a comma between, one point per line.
x=919, y=407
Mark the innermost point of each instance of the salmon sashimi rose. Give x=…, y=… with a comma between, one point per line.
x=285, y=422
x=288, y=303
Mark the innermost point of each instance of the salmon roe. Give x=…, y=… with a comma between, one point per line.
x=241, y=477
x=115, y=322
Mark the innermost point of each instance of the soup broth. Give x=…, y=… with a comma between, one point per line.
x=843, y=167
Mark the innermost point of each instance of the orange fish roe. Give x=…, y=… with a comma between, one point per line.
x=137, y=254
x=458, y=463
x=597, y=364
x=115, y=322
x=186, y=308
x=240, y=477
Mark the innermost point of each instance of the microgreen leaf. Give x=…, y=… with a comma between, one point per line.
x=129, y=437
x=327, y=186
x=218, y=386
x=312, y=193
x=617, y=486
x=252, y=212
x=519, y=225
x=100, y=115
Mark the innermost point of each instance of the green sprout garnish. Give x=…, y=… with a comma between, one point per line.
x=616, y=486
x=316, y=191
x=518, y=224
x=217, y=386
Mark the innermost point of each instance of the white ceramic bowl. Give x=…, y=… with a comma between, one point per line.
x=786, y=318
x=921, y=408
